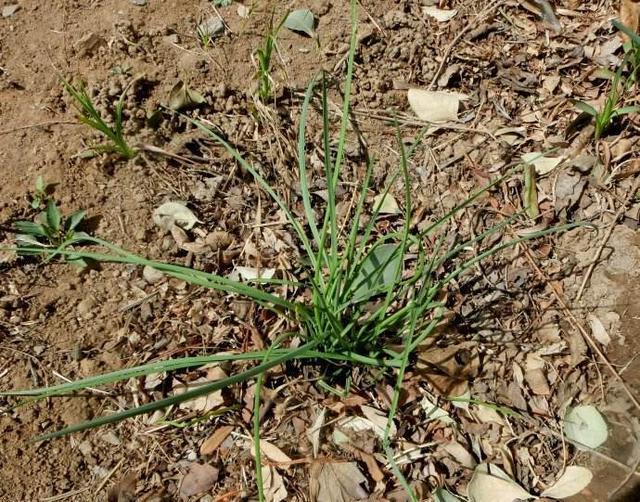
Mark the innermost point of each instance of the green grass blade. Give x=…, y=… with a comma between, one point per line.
x=187, y=396
x=302, y=166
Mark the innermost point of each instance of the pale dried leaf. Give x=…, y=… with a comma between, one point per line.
x=314, y=433
x=585, y=426
x=200, y=478
x=379, y=419
x=434, y=412
x=440, y=15
x=598, y=330
x=251, y=273
x=338, y=482
x=177, y=213
x=435, y=106
x=573, y=481
x=202, y=403
x=543, y=165
x=491, y=484
x=274, y=489
x=272, y=452
x=460, y=454
x=387, y=204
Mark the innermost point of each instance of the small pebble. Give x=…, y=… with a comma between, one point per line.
x=85, y=306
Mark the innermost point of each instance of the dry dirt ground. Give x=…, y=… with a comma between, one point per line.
x=513, y=340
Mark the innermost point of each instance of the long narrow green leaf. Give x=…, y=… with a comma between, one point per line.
x=181, y=398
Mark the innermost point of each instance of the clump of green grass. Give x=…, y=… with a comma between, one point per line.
x=373, y=298
x=263, y=56
x=89, y=115
x=623, y=82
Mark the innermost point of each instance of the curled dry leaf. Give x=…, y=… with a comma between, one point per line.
x=435, y=106
x=174, y=213
x=491, y=484
x=182, y=97
x=573, y=481
x=200, y=478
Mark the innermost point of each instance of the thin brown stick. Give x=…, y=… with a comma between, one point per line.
x=39, y=124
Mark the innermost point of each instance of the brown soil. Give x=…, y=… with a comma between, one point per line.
x=57, y=322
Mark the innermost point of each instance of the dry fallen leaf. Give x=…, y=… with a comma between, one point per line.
x=274, y=489
x=177, y=213
x=338, y=482
x=598, y=330
x=387, y=204
x=573, y=481
x=314, y=433
x=203, y=403
x=200, y=478
x=491, y=484
x=440, y=15
x=435, y=106
x=272, y=452
x=212, y=443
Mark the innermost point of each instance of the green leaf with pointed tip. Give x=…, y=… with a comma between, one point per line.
x=625, y=110
x=74, y=220
x=585, y=107
x=53, y=216
x=627, y=31
x=30, y=228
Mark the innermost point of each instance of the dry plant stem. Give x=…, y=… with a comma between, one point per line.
x=108, y=476
x=39, y=124
x=577, y=325
x=607, y=236
x=480, y=17
x=66, y=495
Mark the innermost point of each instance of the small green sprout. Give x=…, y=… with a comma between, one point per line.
x=39, y=193
x=51, y=232
x=263, y=55
x=622, y=82
x=89, y=115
